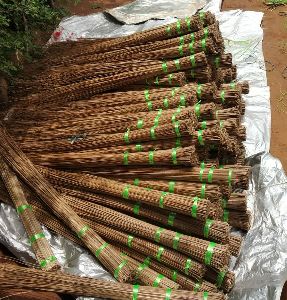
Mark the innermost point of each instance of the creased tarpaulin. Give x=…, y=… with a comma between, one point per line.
x=261, y=267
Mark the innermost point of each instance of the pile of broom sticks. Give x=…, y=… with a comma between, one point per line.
x=133, y=148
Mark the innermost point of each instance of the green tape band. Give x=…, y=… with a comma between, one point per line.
x=188, y=265
x=157, y=280
x=174, y=275
x=200, y=137
x=139, y=148
x=202, y=167
x=198, y=91
x=37, y=236
x=159, y=253
x=49, y=260
x=205, y=295
x=125, y=193
x=181, y=40
x=168, y=30
x=126, y=158
x=174, y=116
x=161, y=199
x=156, y=82
x=21, y=208
x=197, y=109
x=223, y=203
x=170, y=76
x=182, y=100
x=220, y=278
x=221, y=124
x=158, y=234
x=136, y=182
x=146, y=95
x=192, y=60
x=194, y=207
x=177, y=64
x=157, y=118
x=225, y=215
x=136, y=291
x=136, y=209
x=229, y=178
x=171, y=186
x=209, y=253
x=203, y=125
x=222, y=96
x=178, y=27
x=140, y=124
x=174, y=91
x=165, y=103
x=206, y=228
x=168, y=294
x=173, y=156
x=171, y=217
x=197, y=287
x=217, y=62
x=175, y=241
x=202, y=191
x=210, y=175
x=151, y=157
x=99, y=251
x=205, y=30
x=180, y=50
x=142, y=266
x=203, y=45
x=202, y=16
x=119, y=268
x=126, y=136
x=177, y=143
x=152, y=133
x=164, y=67
x=233, y=85
x=83, y=231
x=130, y=240
x=149, y=106
x=191, y=49
x=176, y=129
x=192, y=37
x=187, y=21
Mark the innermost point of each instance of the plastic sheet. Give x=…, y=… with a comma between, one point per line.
x=261, y=267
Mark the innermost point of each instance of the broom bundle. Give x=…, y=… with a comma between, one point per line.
x=183, y=281
x=230, y=125
x=176, y=130
x=228, y=176
x=43, y=252
x=236, y=201
x=27, y=278
x=241, y=87
x=181, y=27
x=87, y=88
x=81, y=160
x=238, y=219
x=225, y=75
x=227, y=113
x=214, y=230
x=30, y=175
x=179, y=203
x=223, y=60
x=210, y=192
x=229, y=98
x=222, y=278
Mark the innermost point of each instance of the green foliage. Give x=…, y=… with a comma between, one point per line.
x=19, y=20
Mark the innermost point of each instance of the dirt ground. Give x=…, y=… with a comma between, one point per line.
x=275, y=51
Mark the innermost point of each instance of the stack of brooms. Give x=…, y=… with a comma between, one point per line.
x=133, y=148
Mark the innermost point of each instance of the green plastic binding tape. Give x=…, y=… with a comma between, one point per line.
x=202, y=167
x=191, y=48
x=135, y=291
x=140, y=124
x=171, y=186
x=152, y=133
x=210, y=175
x=158, y=234
x=168, y=294
x=187, y=21
x=192, y=60
x=151, y=157
x=220, y=278
x=222, y=96
x=180, y=50
x=161, y=199
x=158, y=280
x=205, y=295
x=194, y=207
x=198, y=91
x=171, y=218
x=159, y=253
x=197, y=109
x=209, y=253
x=207, y=226
x=125, y=193
x=178, y=27
x=170, y=76
x=136, y=182
x=164, y=67
x=139, y=148
x=126, y=136
x=202, y=191
x=136, y=209
x=177, y=64
x=174, y=275
x=165, y=103
x=119, y=268
x=83, y=231
x=203, y=125
x=205, y=30
x=175, y=242
x=126, y=158
x=49, y=260
x=197, y=287
x=173, y=156
x=203, y=45
x=229, y=179
x=98, y=252
x=200, y=137
x=188, y=265
x=130, y=240
x=21, y=208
